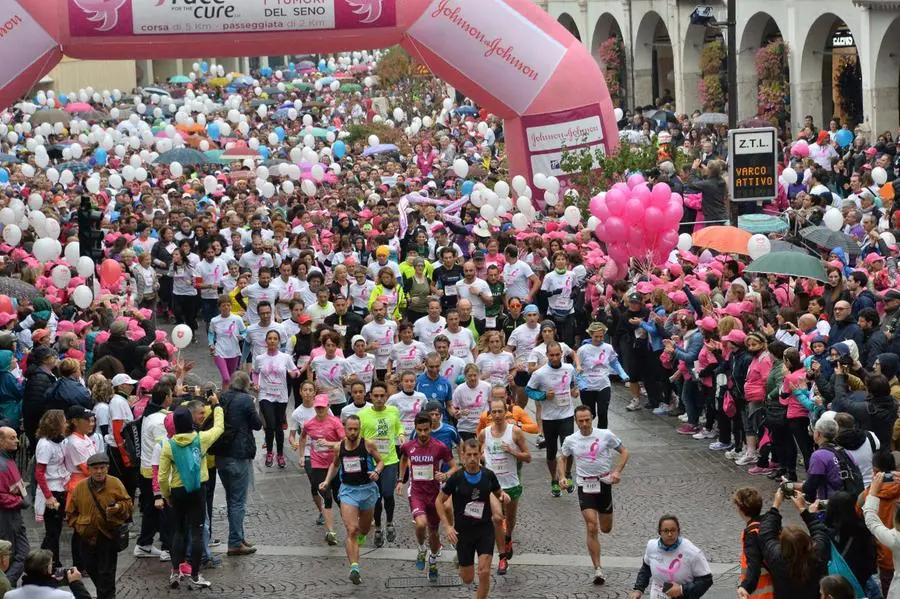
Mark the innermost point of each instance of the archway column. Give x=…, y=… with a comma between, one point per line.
x=879, y=72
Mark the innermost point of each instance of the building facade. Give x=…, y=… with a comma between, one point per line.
x=662, y=51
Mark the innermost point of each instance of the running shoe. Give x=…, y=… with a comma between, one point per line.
x=432, y=572
x=198, y=582
x=634, y=405
x=540, y=442
x=555, y=489
x=599, y=578
x=570, y=488
x=420, y=559
x=270, y=459
x=661, y=411
x=747, y=459
x=320, y=521
x=355, y=577
x=282, y=463
x=174, y=579
x=719, y=446
x=379, y=538
x=705, y=433
x=688, y=429
x=215, y=543
x=761, y=470
x=360, y=540
x=682, y=417
x=165, y=556
x=146, y=551
x=503, y=566
x=212, y=563
x=185, y=569
x=391, y=534
x=331, y=538
x=733, y=454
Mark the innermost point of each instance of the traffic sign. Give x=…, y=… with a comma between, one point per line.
x=752, y=164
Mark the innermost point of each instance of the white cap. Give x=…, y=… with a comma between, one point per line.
x=357, y=338
x=123, y=379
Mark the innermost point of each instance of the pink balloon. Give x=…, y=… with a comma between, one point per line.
x=661, y=194
x=616, y=231
x=654, y=219
x=619, y=253
x=599, y=208
x=800, y=149
x=611, y=271
x=634, y=211
x=600, y=231
x=642, y=192
x=635, y=180
x=674, y=212
x=615, y=202
x=638, y=251
x=667, y=241
x=621, y=187
x=637, y=237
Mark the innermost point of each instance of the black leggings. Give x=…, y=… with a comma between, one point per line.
x=797, y=436
x=188, y=514
x=53, y=524
x=565, y=328
x=186, y=307
x=318, y=477
x=274, y=419
x=555, y=432
x=709, y=399
x=387, y=482
x=598, y=402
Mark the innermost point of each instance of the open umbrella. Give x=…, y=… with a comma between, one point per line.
x=184, y=156
x=9, y=159
x=824, y=237
x=179, y=79
x=74, y=107
x=467, y=110
x=726, y=240
x=77, y=168
x=257, y=102
x=379, y=149
x=793, y=264
x=301, y=85
x=149, y=91
x=351, y=87
x=305, y=64
x=762, y=223
x=754, y=123
x=215, y=157
x=51, y=116
x=240, y=153
x=712, y=118
x=17, y=289
x=218, y=81
x=779, y=245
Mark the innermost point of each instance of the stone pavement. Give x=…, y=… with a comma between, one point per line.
x=667, y=473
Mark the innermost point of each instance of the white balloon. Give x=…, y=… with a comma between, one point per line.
x=140, y=174
x=373, y=140
x=478, y=200
x=617, y=112
x=12, y=234
x=268, y=190
x=308, y=187
x=307, y=120
x=487, y=212
x=317, y=172
x=83, y=296
x=552, y=184
x=273, y=139
x=460, y=168
x=427, y=122
x=685, y=241
x=758, y=246
x=28, y=170
x=66, y=177
x=182, y=336
x=176, y=169
x=262, y=173
x=523, y=204
x=209, y=184
x=520, y=222
x=84, y=267
x=501, y=188
x=540, y=181
x=519, y=183
x=572, y=216
x=309, y=141
x=789, y=175
x=879, y=175
x=35, y=201
x=51, y=228
x=45, y=250
x=61, y=276
x=42, y=160
x=833, y=219
x=551, y=198
x=72, y=252
x=592, y=223
x=287, y=187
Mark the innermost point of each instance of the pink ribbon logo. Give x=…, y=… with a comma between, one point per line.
x=103, y=13
x=591, y=453
x=673, y=568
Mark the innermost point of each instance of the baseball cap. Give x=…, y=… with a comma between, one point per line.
x=78, y=412
x=304, y=319
x=6, y=318
x=478, y=255
x=531, y=309
x=634, y=297
x=892, y=294
x=321, y=401
x=357, y=338
x=39, y=335
x=81, y=325
x=736, y=336
x=123, y=379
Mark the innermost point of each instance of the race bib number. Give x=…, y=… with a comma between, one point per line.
x=383, y=350
x=592, y=486
x=383, y=446
x=474, y=510
x=341, y=329
x=490, y=322
x=423, y=472
x=352, y=465
x=450, y=291
x=562, y=398
x=321, y=446
x=656, y=591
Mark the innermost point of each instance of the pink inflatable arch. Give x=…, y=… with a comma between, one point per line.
x=508, y=55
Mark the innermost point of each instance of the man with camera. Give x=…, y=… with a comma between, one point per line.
x=41, y=580
x=830, y=468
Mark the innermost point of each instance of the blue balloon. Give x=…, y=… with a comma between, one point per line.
x=281, y=133
x=266, y=71
x=292, y=66
x=467, y=187
x=63, y=99
x=339, y=149
x=101, y=156
x=204, y=66
x=322, y=63
x=213, y=130
x=844, y=137
x=4, y=175
x=264, y=152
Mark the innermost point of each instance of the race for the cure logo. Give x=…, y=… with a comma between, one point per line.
x=369, y=10
x=104, y=14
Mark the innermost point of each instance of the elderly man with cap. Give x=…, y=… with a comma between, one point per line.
x=13, y=499
x=97, y=509
x=120, y=346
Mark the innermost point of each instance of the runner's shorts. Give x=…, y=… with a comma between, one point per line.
x=478, y=540
x=421, y=504
x=602, y=501
x=362, y=496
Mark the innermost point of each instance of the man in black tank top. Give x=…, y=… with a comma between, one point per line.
x=359, y=465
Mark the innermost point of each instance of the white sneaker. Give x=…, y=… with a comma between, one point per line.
x=747, y=459
x=634, y=405
x=704, y=434
x=683, y=417
x=146, y=551
x=164, y=556
x=599, y=577
x=199, y=582
x=733, y=454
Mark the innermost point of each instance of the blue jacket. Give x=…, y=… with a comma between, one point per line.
x=655, y=333
x=865, y=299
x=435, y=389
x=241, y=419
x=66, y=393
x=691, y=351
x=844, y=330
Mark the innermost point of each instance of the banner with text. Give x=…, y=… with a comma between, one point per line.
x=752, y=164
x=549, y=135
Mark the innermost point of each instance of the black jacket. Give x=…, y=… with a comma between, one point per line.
x=123, y=348
x=874, y=343
x=65, y=393
x=34, y=396
x=876, y=414
x=713, y=203
x=241, y=419
x=844, y=330
x=784, y=584
x=352, y=321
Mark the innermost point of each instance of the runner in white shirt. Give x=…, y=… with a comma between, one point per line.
x=270, y=370
x=408, y=354
x=591, y=449
x=462, y=341
x=428, y=327
x=256, y=259
x=225, y=333
x=329, y=372
x=451, y=366
x=256, y=333
x=360, y=365
x=469, y=401
x=409, y=402
x=596, y=360
x=261, y=291
x=287, y=288
x=212, y=270
x=475, y=290
x=381, y=335
x=519, y=278
x=360, y=291
x=497, y=366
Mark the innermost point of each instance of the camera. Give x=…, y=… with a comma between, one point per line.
x=210, y=392
x=60, y=573
x=888, y=477
x=788, y=489
x=823, y=504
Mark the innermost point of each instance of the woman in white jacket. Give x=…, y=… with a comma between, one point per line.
x=888, y=537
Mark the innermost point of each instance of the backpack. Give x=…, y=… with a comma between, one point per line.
x=851, y=477
x=131, y=435
x=188, y=461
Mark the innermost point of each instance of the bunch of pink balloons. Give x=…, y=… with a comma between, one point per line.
x=637, y=222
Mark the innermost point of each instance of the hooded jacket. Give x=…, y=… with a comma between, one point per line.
x=34, y=395
x=876, y=414
x=861, y=445
x=865, y=299
x=874, y=344
x=890, y=367
x=241, y=419
x=845, y=330
x=889, y=494
x=10, y=393
x=169, y=477
x=785, y=586
x=66, y=393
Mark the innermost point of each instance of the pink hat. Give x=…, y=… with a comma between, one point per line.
x=6, y=318
x=736, y=336
x=146, y=313
x=679, y=297
x=76, y=354
x=675, y=269
x=102, y=337
x=321, y=401
x=707, y=323
x=873, y=257
x=65, y=326
x=733, y=310
x=645, y=287
x=147, y=383
x=81, y=325
x=169, y=423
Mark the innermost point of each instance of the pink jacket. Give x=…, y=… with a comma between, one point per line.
x=704, y=360
x=755, y=385
x=795, y=409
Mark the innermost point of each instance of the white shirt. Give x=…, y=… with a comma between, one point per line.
x=565, y=283
x=273, y=376
x=408, y=357
x=52, y=455
x=256, y=335
x=461, y=344
x=359, y=294
x=227, y=332
x=523, y=339
x=153, y=430
x=328, y=376
x=212, y=273
x=472, y=402
x=560, y=381
x=254, y=262
x=285, y=290
x=451, y=368
x=496, y=367
x=299, y=418
x=474, y=292
x=539, y=354
x=363, y=367
x=255, y=294
x=425, y=330
x=595, y=364
x=663, y=566
x=118, y=410
x=383, y=335
x=516, y=278
x=409, y=405
x=593, y=453
x=374, y=267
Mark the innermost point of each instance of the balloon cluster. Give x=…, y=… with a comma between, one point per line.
x=637, y=222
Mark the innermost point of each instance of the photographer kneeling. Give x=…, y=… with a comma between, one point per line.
x=41, y=582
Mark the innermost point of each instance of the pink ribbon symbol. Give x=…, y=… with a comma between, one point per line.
x=674, y=567
x=332, y=372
